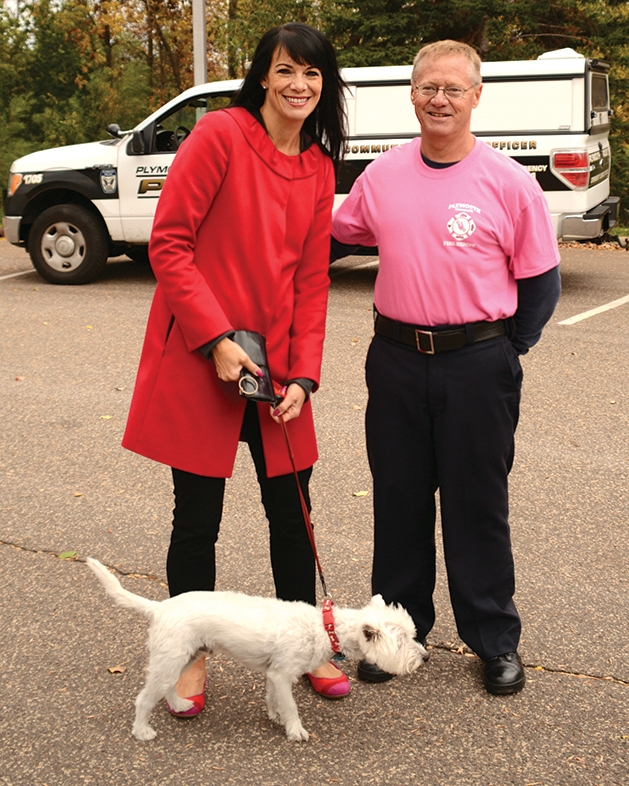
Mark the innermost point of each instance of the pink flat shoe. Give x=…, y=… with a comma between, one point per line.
x=331, y=687
x=198, y=705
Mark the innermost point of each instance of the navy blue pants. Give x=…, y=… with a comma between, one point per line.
x=447, y=422
x=191, y=563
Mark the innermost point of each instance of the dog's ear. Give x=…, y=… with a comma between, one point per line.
x=370, y=633
x=378, y=600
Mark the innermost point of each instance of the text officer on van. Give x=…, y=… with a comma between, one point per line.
x=468, y=278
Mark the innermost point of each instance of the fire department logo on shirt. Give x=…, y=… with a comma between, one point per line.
x=461, y=226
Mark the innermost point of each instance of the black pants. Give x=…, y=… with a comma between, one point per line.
x=197, y=516
x=447, y=422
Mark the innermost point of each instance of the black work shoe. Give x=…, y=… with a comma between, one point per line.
x=369, y=672
x=504, y=674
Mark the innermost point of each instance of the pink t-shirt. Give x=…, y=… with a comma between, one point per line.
x=452, y=241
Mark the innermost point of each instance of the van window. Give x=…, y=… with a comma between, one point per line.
x=385, y=110
x=525, y=106
x=173, y=128
x=600, y=98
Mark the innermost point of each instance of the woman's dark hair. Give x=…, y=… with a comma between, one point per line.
x=306, y=46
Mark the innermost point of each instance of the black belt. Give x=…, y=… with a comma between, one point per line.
x=429, y=341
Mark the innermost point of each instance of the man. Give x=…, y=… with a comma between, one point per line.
x=468, y=278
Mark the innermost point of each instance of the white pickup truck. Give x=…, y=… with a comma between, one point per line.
x=73, y=207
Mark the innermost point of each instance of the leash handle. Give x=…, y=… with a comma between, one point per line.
x=304, y=509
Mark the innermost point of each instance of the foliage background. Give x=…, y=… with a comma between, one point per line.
x=70, y=67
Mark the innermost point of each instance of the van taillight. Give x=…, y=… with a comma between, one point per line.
x=571, y=166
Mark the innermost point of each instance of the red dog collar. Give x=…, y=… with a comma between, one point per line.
x=328, y=624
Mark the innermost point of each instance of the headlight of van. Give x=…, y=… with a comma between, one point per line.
x=15, y=181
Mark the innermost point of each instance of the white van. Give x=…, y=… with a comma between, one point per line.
x=73, y=207
x=552, y=115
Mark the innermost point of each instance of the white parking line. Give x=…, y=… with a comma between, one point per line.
x=13, y=275
x=593, y=312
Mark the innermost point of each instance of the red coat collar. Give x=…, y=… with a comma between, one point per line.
x=305, y=164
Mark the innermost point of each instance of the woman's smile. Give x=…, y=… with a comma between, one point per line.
x=297, y=100
x=292, y=90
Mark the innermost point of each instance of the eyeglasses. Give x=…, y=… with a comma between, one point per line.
x=450, y=92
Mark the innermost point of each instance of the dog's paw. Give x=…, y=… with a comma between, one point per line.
x=297, y=734
x=273, y=714
x=144, y=733
x=178, y=703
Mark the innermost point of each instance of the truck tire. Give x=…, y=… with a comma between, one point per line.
x=68, y=244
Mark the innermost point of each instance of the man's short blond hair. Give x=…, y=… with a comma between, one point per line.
x=449, y=48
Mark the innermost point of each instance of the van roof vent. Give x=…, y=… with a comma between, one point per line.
x=560, y=54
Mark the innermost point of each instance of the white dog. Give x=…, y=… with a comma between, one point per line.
x=281, y=639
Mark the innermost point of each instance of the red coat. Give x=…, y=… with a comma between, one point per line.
x=241, y=240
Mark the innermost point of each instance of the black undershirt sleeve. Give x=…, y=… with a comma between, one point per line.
x=537, y=298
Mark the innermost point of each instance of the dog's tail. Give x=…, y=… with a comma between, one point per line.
x=120, y=595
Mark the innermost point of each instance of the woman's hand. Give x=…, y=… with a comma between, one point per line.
x=291, y=404
x=229, y=359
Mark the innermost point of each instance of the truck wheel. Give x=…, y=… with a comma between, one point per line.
x=68, y=245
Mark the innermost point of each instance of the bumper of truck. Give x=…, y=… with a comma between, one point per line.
x=11, y=228
x=590, y=225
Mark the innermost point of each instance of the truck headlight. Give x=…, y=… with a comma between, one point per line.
x=15, y=181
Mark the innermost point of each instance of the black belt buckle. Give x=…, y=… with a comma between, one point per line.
x=418, y=334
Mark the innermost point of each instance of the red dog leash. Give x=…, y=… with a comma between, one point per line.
x=304, y=509
x=328, y=603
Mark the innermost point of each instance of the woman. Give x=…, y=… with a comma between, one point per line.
x=241, y=242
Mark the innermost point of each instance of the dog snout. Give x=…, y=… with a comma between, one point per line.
x=417, y=656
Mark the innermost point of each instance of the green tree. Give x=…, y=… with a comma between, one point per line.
x=15, y=103
x=238, y=26
x=389, y=32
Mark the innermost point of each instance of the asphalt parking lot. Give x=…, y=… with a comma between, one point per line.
x=71, y=663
